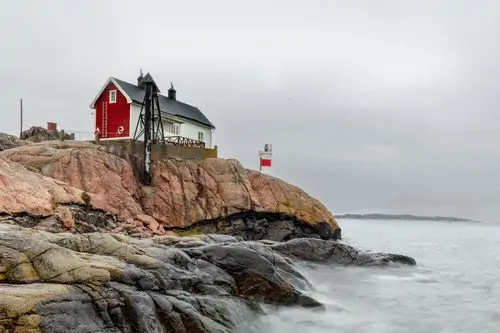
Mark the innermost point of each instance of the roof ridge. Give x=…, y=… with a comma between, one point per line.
x=163, y=95
x=176, y=107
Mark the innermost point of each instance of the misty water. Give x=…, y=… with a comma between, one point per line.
x=454, y=288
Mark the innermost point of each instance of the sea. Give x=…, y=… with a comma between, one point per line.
x=455, y=286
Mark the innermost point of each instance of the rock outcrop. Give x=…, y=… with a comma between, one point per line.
x=39, y=134
x=31, y=135
x=8, y=141
x=99, y=282
x=57, y=184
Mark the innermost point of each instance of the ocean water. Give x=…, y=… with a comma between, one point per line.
x=455, y=286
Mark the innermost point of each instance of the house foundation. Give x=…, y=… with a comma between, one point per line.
x=162, y=151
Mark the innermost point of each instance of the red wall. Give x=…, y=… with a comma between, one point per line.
x=118, y=114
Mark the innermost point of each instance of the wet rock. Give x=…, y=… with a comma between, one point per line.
x=335, y=252
x=97, y=282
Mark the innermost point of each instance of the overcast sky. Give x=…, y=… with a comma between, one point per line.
x=387, y=106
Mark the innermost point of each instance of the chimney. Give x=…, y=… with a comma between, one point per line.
x=172, y=92
x=51, y=126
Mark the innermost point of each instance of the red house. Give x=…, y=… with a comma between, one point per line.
x=118, y=105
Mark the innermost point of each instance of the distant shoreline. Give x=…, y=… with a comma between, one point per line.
x=404, y=217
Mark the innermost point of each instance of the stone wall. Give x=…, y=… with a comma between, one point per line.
x=161, y=151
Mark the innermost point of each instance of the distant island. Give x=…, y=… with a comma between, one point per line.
x=407, y=217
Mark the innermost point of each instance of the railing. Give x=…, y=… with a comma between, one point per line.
x=89, y=136
x=175, y=140
x=184, y=142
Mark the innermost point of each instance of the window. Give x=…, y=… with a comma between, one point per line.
x=170, y=127
x=200, y=136
x=112, y=96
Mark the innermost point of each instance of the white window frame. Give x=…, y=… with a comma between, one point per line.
x=171, y=127
x=200, y=136
x=177, y=129
x=111, y=93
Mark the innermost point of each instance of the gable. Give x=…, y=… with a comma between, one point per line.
x=106, y=96
x=104, y=89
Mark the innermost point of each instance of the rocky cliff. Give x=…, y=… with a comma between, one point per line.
x=84, y=247
x=71, y=179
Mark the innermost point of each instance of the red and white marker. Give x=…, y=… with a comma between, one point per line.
x=265, y=159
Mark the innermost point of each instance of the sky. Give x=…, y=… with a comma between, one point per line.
x=371, y=106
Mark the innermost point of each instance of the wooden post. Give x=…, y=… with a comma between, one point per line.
x=20, y=133
x=62, y=135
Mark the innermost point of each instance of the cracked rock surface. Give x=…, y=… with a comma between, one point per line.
x=98, y=282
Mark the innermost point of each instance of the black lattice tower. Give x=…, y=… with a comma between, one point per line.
x=149, y=123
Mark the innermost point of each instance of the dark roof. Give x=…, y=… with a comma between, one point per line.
x=167, y=105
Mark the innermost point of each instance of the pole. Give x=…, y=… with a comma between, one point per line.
x=147, y=134
x=21, y=132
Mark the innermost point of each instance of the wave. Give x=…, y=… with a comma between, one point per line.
x=415, y=277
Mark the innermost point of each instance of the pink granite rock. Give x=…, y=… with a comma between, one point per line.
x=37, y=178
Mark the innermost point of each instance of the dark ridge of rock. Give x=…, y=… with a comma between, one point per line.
x=252, y=225
x=334, y=252
x=249, y=225
x=81, y=219
x=100, y=282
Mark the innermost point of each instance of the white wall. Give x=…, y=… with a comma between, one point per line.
x=135, y=111
x=188, y=129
